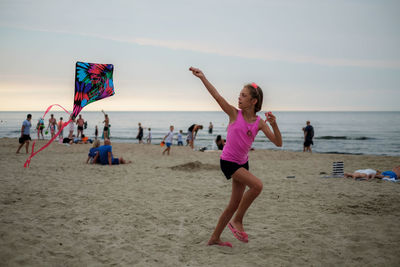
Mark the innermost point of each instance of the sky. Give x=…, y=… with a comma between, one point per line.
x=315, y=55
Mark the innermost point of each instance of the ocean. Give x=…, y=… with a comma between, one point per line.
x=371, y=133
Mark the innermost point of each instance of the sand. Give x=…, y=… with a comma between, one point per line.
x=161, y=210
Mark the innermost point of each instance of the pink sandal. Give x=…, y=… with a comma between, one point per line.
x=241, y=236
x=222, y=244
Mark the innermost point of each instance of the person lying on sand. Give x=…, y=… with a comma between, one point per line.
x=367, y=174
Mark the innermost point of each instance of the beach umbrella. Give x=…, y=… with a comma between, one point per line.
x=93, y=82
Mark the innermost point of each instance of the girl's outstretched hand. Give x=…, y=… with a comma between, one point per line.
x=197, y=72
x=270, y=118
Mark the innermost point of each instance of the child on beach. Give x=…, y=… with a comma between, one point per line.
x=180, y=142
x=93, y=152
x=243, y=127
x=168, y=139
x=148, y=138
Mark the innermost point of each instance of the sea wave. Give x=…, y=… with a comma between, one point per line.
x=330, y=137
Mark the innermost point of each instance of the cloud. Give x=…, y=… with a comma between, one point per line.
x=232, y=50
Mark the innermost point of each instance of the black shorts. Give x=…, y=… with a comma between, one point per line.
x=308, y=143
x=105, y=129
x=229, y=168
x=24, y=138
x=80, y=128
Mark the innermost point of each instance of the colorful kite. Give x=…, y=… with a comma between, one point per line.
x=92, y=82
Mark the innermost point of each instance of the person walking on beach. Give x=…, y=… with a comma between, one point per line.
x=210, y=128
x=59, y=127
x=39, y=128
x=168, y=140
x=243, y=127
x=308, y=136
x=148, y=138
x=52, y=125
x=106, y=129
x=192, y=133
x=25, y=134
x=80, y=122
x=140, y=133
x=96, y=132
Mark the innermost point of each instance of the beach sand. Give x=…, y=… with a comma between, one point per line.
x=161, y=210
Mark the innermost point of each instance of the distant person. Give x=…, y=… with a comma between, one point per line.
x=149, y=137
x=106, y=129
x=180, y=139
x=244, y=125
x=394, y=174
x=210, y=128
x=366, y=174
x=105, y=155
x=25, y=134
x=96, y=132
x=71, y=129
x=39, y=127
x=220, y=142
x=308, y=137
x=80, y=122
x=168, y=140
x=83, y=140
x=192, y=133
x=59, y=127
x=139, y=136
x=93, y=152
x=52, y=125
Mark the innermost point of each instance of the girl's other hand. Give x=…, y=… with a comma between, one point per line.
x=270, y=118
x=197, y=72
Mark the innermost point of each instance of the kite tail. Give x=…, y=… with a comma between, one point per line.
x=28, y=161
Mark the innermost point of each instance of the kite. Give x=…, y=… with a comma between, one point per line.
x=92, y=82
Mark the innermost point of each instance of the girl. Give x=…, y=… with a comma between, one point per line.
x=243, y=127
x=92, y=152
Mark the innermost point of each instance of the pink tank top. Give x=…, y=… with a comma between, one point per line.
x=239, y=139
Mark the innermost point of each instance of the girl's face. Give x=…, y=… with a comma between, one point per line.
x=245, y=99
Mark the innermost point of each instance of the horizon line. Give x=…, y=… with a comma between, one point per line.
x=209, y=111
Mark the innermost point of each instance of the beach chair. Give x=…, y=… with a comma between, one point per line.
x=337, y=170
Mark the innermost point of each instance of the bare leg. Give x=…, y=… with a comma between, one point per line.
x=27, y=146
x=236, y=196
x=245, y=177
x=359, y=175
x=348, y=175
x=122, y=161
x=19, y=148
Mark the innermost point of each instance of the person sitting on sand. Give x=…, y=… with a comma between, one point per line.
x=366, y=174
x=220, y=142
x=93, y=152
x=105, y=156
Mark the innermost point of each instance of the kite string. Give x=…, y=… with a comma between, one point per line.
x=28, y=161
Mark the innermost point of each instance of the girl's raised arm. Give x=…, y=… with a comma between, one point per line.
x=226, y=107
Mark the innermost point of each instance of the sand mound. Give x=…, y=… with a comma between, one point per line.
x=195, y=166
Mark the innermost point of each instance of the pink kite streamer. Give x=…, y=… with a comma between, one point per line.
x=28, y=161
